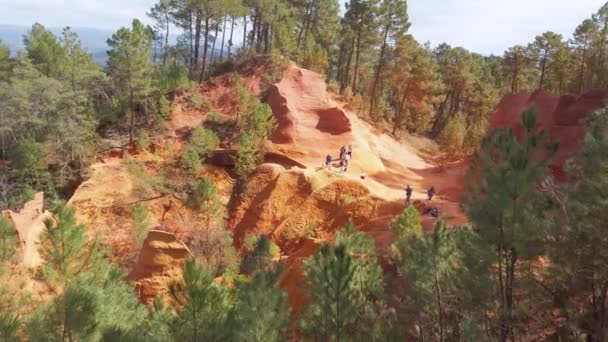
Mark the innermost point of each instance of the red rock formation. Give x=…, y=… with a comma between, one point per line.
x=29, y=223
x=160, y=262
x=562, y=116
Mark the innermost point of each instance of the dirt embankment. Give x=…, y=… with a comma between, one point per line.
x=562, y=116
x=290, y=199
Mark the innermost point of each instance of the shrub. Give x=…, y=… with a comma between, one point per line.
x=247, y=156
x=333, y=87
x=275, y=69
x=196, y=101
x=143, y=140
x=452, y=136
x=203, y=141
x=141, y=223
x=190, y=160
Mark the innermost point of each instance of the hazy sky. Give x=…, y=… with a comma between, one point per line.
x=485, y=26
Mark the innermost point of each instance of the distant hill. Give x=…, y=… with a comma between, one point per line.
x=93, y=40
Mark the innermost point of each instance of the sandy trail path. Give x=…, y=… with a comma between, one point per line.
x=29, y=223
x=321, y=126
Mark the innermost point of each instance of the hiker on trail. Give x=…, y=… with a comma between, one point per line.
x=328, y=162
x=435, y=213
x=346, y=159
x=342, y=151
x=408, y=194
x=350, y=151
x=431, y=192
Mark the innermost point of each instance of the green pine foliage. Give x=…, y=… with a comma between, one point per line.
x=247, y=156
x=131, y=69
x=203, y=307
x=71, y=256
x=141, y=223
x=261, y=312
x=578, y=255
x=345, y=288
x=204, y=141
x=505, y=209
x=8, y=240
x=204, y=198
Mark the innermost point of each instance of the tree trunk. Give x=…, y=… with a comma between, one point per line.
x=205, y=50
x=308, y=21
x=399, y=113
x=212, y=59
x=354, y=87
x=439, y=302
x=346, y=80
x=542, y=72
x=378, y=71
x=230, y=39
x=267, y=39
x=340, y=61
x=217, y=31
x=191, y=37
x=258, y=45
x=244, y=32
x=166, y=52
x=581, y=75
x=132, y=124
x=197, y=39
x=515, y=74
x=223, y=37
x=253, y=32
x=304, y=25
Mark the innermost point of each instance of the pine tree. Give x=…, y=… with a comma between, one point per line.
x=247, y=156
x=414, y=84
x=582, y=43
x=393, y=20
x=544, y=48
x=204, y=141
x=6, y=63
x=44, y=50
x=578, y=273
x=517, y=63
x=141, y=223
x=407, y=225
x=203, y=307
x=8, y=240
x=70, y=255
x=130, y=68
x=344, y=280
x=260, y=257
x=204, y=199
x=428, y=265
x=261, y=312
x=161, y=13
x=501, y=201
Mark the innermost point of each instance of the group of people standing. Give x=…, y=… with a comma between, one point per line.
x=345, y=156
x=430, y=192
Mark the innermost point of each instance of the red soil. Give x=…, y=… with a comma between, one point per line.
x=562, y=116
x=160, y=262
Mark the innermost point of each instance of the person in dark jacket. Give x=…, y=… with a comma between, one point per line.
x=328, y=161
x=435, y=213
x=408, y=193
x=431, y=192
